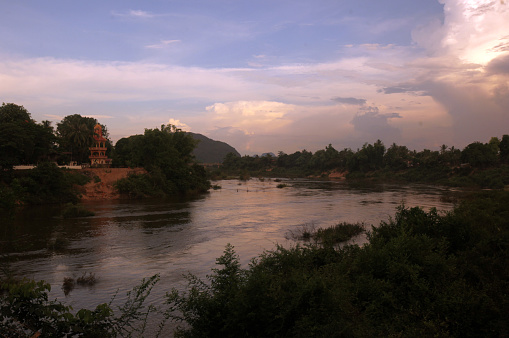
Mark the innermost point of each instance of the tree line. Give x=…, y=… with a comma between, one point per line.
x=479, y=163
x=23, y=141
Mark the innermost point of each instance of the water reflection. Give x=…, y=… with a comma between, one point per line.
x=129, y=240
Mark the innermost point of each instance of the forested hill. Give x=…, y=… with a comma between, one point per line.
x=211, y=151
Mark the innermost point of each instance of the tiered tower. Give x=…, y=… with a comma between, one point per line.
x=98, y=156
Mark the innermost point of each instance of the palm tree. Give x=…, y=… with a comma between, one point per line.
x=76, y=135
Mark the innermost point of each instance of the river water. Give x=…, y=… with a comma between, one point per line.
x=128, y=240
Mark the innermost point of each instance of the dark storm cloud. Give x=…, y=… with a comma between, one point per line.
x=475, y=116
x=350, y=100
x=374, y=125
x=403, y=89
x=499, y=65
x=393, y=90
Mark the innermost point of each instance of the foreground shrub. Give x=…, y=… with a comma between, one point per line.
x=25, y=311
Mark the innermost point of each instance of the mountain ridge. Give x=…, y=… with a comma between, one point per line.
x=211, y=151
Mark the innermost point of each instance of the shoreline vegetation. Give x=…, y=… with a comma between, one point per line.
x=420, y=274
x=163, y=158
x=479, y=165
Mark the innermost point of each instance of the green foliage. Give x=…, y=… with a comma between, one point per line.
x=421, y=274
x=448, y=166
x=22, y=141
x=73, y=210
x=7, y=200
x=504, y=149
x=138, y=186
x=167, y=155
x=338, y=233
x=204, y=306
x=25, y=310
x=479, y=154
x=47, y=183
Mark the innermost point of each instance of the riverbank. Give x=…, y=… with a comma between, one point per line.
x=101, y=185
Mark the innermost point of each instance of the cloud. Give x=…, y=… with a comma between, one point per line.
x=253, y=117
x=178, y=124
x=137, y=14
x=95, y=116
x=371, y=124
x=499, y=65
x=472, y=31
x=350, y=100
x=71, y=81
x=162, y=44
x=410, y=89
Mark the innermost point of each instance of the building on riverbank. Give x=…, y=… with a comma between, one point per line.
x=98, y=156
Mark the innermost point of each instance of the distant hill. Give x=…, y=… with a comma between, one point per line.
x=210, y=151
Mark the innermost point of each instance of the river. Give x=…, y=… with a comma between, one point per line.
x=128, y=240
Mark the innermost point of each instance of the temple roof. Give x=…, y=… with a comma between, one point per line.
x=98, y=133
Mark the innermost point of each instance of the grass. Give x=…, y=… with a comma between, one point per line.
x=85, y=280
x=304, y=233
x=281, y=185
x=335, y=234
x=338, y=233
x=72, y=210
x=68, y=285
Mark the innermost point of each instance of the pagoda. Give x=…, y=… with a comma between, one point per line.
x=98, y=156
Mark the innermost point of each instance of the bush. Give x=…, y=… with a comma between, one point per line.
x=137, y=186
x=26, y=311
x=338, y=233
x=47, y=184
x=72, y=211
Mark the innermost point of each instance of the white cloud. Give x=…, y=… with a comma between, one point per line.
x=253, y=117
x=179, y=124
x=473, y=30
x=162, y=44
x=135, y=13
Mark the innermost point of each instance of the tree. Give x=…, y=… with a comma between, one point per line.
x=479, y=155
x=166, y=154
x=22, y=140
x=10, y=112
x=396, y=157
x=504, y=149
x=370, y=157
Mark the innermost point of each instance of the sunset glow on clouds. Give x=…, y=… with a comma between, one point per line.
x=269, y=76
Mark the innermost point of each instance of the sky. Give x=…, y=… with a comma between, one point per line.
x=265, y=75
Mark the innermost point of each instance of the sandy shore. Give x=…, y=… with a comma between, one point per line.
x=101, y=188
